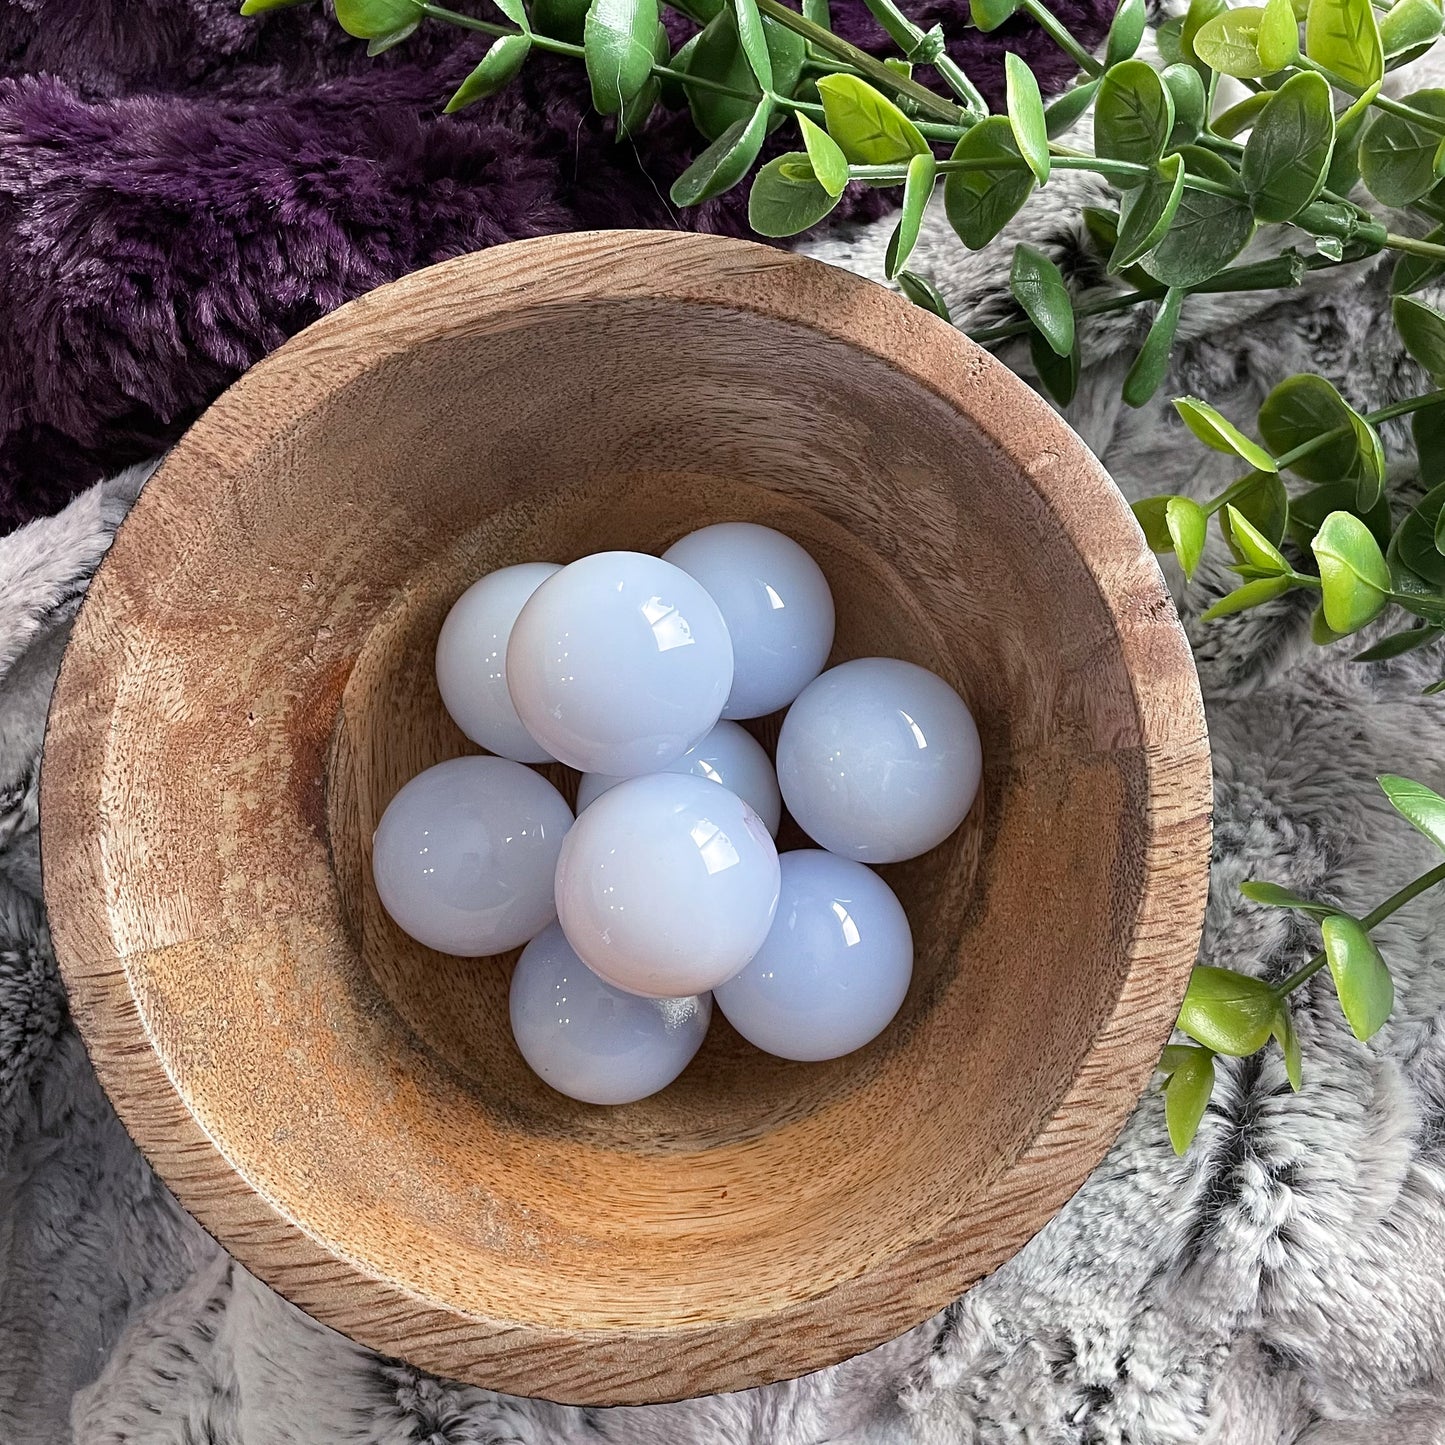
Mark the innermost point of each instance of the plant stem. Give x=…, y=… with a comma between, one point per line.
x=1403, y=408
x=908, y=37
x=1433, y=123
x=1415, y=246
x=486, y=27
x=865, y=64
x=1273, y=275
x=1102, y=307
x=1392, y=904
x=1060, y=35
x=932, y=130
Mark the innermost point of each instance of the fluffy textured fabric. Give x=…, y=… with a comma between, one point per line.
x=1283, y=1284
x=181, y=189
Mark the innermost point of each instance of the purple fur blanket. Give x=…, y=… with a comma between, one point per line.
x=181, y=189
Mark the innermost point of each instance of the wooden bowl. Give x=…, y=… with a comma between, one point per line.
x=250, y=681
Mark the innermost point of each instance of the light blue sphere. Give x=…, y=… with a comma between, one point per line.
x=619, y=663
x=465, y=855
x=666, y=885
x=728, y=755
x=835, y=966
x=879, y=760
x=594, y=1042
x=776, y=604
x=471, y=661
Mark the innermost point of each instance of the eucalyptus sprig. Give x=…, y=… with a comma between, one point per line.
x=1294, y=167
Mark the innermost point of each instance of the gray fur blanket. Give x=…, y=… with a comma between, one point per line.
x=1285, y=1282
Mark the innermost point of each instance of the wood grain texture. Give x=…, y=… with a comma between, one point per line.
x=250, y=680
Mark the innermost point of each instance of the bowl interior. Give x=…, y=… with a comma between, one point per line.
x=280, y=690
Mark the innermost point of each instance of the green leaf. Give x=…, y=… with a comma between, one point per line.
x=1229, y=43
x=1272, y=895
x=1344, y=37
x=1174, y=1056
x=1421, y=807
x=383, y=43
x=1152, y=363
x=1354, y=576
x=1126, y=30
x=922, y=292
x=1363, y=982
x=980, y=203
x=1264, y=503
x=516, y=12
x=260, y=7
x=1038, y=286
x=830, y=165
x=617, y=41
x=1228, y=1012
x=1207, y=233
x=786, y=198
x=1187, y=92
x=1345, y=164
x=638, y=110
x=561, y=19
x=1253, y=546
x=1102, y=229
x=1060, y=114
x=922, y=170
x=1397, y=644
x=1152, y=517
x=717, y=55
x=871, y=130
x=1186, y=1096
x=1413, y=592
x=368, y=19
x=1308, y=511
x=1219, y=433
x=1278, y=41
x=1422, y=329
x=1288, y=153
x=818, y=12
x=1188, y=525
x=1397, y=158
x=1026, y=115
x=1058, y=374
x=504, y=58
x=1288, y=1039
x=1168, y=36
x=990, y=14
x=1145, y=212
x=1411, y=273
x=1133, y=114
x=674, y=96
x=1304, y=408
x=1240, y=117
x=1252, y=594
x=1199, y=14
x=725, y=162
x=1416, y=542
x=754, y=42
x=1427, y=428
x=1409, y=23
